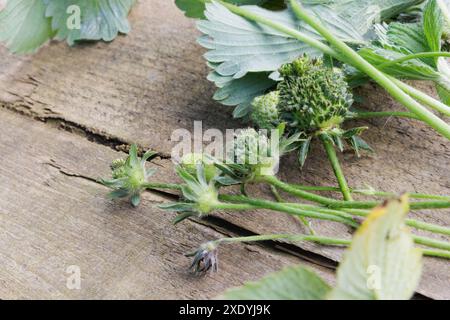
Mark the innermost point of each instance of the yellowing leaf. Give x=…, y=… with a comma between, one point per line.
x=382, y=262
x=293, y=283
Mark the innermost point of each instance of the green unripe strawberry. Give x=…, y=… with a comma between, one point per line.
x=313, y=97
x=265, y=112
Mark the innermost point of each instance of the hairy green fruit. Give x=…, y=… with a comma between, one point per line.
x=313, y=97
x=118, y=168
x=200, y=196
x=130, y=176
x=265, y=112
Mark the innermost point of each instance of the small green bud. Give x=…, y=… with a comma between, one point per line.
x=190, y=161
x=118, y=168
x=200, y=196
x=265, y=112
x=313, y=97
x=206, y=200
x=116, y=164
x=129, y=176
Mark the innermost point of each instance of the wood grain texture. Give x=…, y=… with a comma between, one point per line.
x=141, y=87
x=53, y=215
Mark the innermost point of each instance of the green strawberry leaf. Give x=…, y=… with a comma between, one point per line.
x=241, y=92
x=364, y=13
x=98, y=19
x=433, y=25
x=23, y=25
x=135, y=200
x=303, y=151
x=196, y=8
x=293, y=283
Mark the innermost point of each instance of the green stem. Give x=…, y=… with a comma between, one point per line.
x=280, y=207
x=243, y=191
x=436, y=253
x=413, y=56
x=383, y=80
x=331, y=152
x=332, y=203
x=422, y=97
x=234, y=206
x=375, y=193
x=438, y=244
x=420, y=225
x=304, y=210
x=288, y=237
x=316, y=239
x=303, y=220
x=321, y=209
x=419, y=96
x=171, y=186
x=381, y=114
x=425, y=205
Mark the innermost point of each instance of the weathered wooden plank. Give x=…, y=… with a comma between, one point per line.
x=53, y=215
x=436, y=274
x=142, y=87
x=152, y=77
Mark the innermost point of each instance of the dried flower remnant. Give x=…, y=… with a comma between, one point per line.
x=205, y=259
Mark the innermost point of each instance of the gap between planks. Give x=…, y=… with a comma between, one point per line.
x=54, y=213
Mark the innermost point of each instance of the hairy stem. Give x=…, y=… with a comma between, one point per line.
x=171, y=186
x=382, y=114
x=438, y=244
x=420, y=225
x=331, y=152
x=369, y=192
x=280, y=207
x=436, y=253
x=234, y=206
x=422, y=97
x=303, y=220
x=288, y=237
x=316, y=239
x=333, y=203
x=413, y=56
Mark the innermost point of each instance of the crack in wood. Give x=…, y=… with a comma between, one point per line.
x=225, y=227
x=69, y=126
